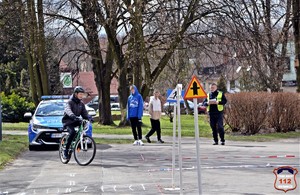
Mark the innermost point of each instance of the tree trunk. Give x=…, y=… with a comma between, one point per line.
x=117, y=53
x=27, y=43
x=123, y=91
x=33, y=32
x=296, y=25
x=102, y=71
x=41, y=49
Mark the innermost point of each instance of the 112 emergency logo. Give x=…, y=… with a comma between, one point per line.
x=285, y=178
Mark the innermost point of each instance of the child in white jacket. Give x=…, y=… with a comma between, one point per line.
x=155, y=114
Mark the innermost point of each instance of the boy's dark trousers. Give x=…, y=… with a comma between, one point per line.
x=155, y=126
x=72, y=133
x=216, y=124
x=136, y=124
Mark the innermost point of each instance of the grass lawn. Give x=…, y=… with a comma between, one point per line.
x=15, y=126
x=187, y=127
x=11, y=146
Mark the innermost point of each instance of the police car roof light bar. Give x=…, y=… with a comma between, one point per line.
x=51, y=97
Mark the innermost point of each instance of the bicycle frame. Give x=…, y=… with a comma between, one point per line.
x=78, y=136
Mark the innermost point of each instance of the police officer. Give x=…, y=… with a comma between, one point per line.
x=215, y=102
x=71, y=119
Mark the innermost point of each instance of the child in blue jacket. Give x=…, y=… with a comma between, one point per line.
x=135, y=105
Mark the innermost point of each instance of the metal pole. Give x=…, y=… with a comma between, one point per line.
x=179, y=88
x=173, y=147
x=197, y=144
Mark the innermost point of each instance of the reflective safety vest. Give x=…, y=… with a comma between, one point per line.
x=219, y=98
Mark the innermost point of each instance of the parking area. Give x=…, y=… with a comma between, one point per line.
x=236, y=168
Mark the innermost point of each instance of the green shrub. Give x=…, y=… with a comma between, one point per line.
x=14, y=107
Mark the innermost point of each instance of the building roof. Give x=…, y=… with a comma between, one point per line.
x=87, y=81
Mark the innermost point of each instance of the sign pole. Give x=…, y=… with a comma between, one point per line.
x=197, y=144
x=179, y=88
x=176, y=96
x=173, y=147
x=194, y=91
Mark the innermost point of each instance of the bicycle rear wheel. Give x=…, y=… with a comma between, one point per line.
x=84, y=153
x=61, y=149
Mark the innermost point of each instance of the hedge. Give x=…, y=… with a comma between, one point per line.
x=251, y=112
x=14, y=107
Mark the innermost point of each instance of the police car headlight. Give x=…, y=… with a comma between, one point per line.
x=36, y=127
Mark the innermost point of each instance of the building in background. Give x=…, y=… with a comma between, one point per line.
x=86, y=79
x=289, y=82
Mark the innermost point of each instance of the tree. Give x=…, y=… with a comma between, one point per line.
x=34, y=40
x=101, y=55
x=253, y=34
x=149, y=27
x=12, y=52
x=296, y=26
x=261, y=31
x=222, y=84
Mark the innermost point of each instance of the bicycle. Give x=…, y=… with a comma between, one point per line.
x=83, y=146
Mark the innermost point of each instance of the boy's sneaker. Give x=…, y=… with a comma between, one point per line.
x=223, y=143
x=160, y=141
x=136, y=142
x=141, y=143
x=148, y=139
x=65, y=154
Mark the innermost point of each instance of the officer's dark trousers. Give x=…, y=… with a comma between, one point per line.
x=136, y=124
x=155, y=126
x=216, y=124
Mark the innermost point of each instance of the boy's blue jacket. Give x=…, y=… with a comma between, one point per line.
x=135, y=105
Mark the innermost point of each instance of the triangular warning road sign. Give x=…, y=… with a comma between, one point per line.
x=194, y=90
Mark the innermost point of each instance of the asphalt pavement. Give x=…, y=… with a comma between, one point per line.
x=237, y=168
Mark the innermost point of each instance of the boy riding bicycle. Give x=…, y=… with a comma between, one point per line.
x=71, y=119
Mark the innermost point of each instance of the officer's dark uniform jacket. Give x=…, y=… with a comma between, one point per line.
x=74, y=108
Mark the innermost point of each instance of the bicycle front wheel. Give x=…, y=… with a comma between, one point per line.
x=85, y=150
x=62, y=146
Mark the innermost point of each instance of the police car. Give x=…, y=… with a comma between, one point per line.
x=45, y=127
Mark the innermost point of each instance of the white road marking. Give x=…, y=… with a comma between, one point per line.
x=221, y=167
x=72, y=174
x=143, y=187
x=172, y=189
x=72, y=183
x=47, y=192
x=85, y=189
x=115, y=188
x=68, y=190
x=102, y=188
x=130, y=188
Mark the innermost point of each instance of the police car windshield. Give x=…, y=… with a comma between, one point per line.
x=51, y=109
